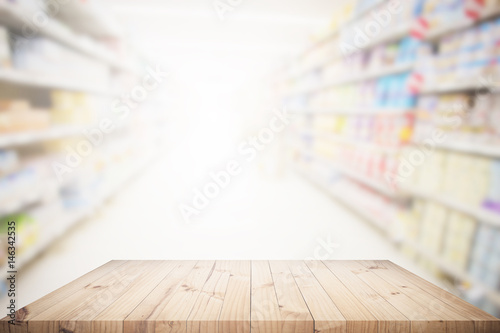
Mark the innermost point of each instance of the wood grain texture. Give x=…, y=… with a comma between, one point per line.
x=243, y=296
x=294, y=311
x=483, y=322
x=454, y=320
x=389, y=318
x=327, y=317
x=25, y=314
x=358, y=317
x=235, y=313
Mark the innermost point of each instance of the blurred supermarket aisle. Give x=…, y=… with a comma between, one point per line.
x=396, y=117
x=256, y=218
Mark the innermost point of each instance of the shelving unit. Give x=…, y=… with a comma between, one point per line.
x=356, y=143
x=400, y=68
x=314, y=108
x=16, y=77
x=54, y=132
x=456, y=87
x=32, y=90
x=469, y=148
x=455, y=26
x=380, y=225
x=353, y=174
x=377, y=223
x=67, y=221
x=479, y=214
x=353, y=111
x=13, y=17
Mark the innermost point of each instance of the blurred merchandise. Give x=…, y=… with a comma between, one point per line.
x=40, y=56
x=18, y=115
x=412, y=117
x=64, y=148
x=5, y=53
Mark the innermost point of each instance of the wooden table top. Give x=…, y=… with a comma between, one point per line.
x=261, y=296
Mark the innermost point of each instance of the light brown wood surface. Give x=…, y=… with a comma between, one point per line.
x=250, y=296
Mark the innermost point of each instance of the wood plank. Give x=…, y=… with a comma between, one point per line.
x=389, y=318
x=25, y=314
x=142, y=319
x=421, y=317
x=74, y=314
x=359, y=319
x=265, y=312
x=111, y=319
x=455, y=322
x=206, y=311
x=260, y=296
x=294, y=311
x=327, y=317
x=173, y=318
x=235, y=313
x=483, y=321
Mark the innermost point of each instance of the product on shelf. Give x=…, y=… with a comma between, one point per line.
x=464, y=56
x=458, y=238
x=5, y=58
x=420, y=91
x=72, y=108
x=26, y=230
x=467, y=179
x=44, y=57
x=432, y=227
x=9, y=161
x=441, y=13
x=463, y=118
x=492, y=201
x=386, y=92
x=18, y=115
x=485, y=258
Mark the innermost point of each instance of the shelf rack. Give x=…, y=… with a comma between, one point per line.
x=71, y=218
x=478, y=213
x=16, y=18
x=29, y=137
x=492, y=151
x=13, y=16
x=17, y=77
x=491, y=294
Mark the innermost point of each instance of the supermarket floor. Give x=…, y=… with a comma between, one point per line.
x=260, y=217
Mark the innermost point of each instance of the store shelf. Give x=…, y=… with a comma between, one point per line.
x=480, y=214
x=391, y=34
x=459, y=86
x=340, y=197
x=335, y=32
x=490, y=293
x=359, y=77
x=51, y=133
x=351, y=111
x=14, y=17
x=334, y=138
x=41, y=81
x=470, y=148
x=37, y=194
x=373, y=74
x=71, y=218
x=457, y=25
x=360, y=178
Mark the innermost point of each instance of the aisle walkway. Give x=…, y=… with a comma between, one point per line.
x=254, y=218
